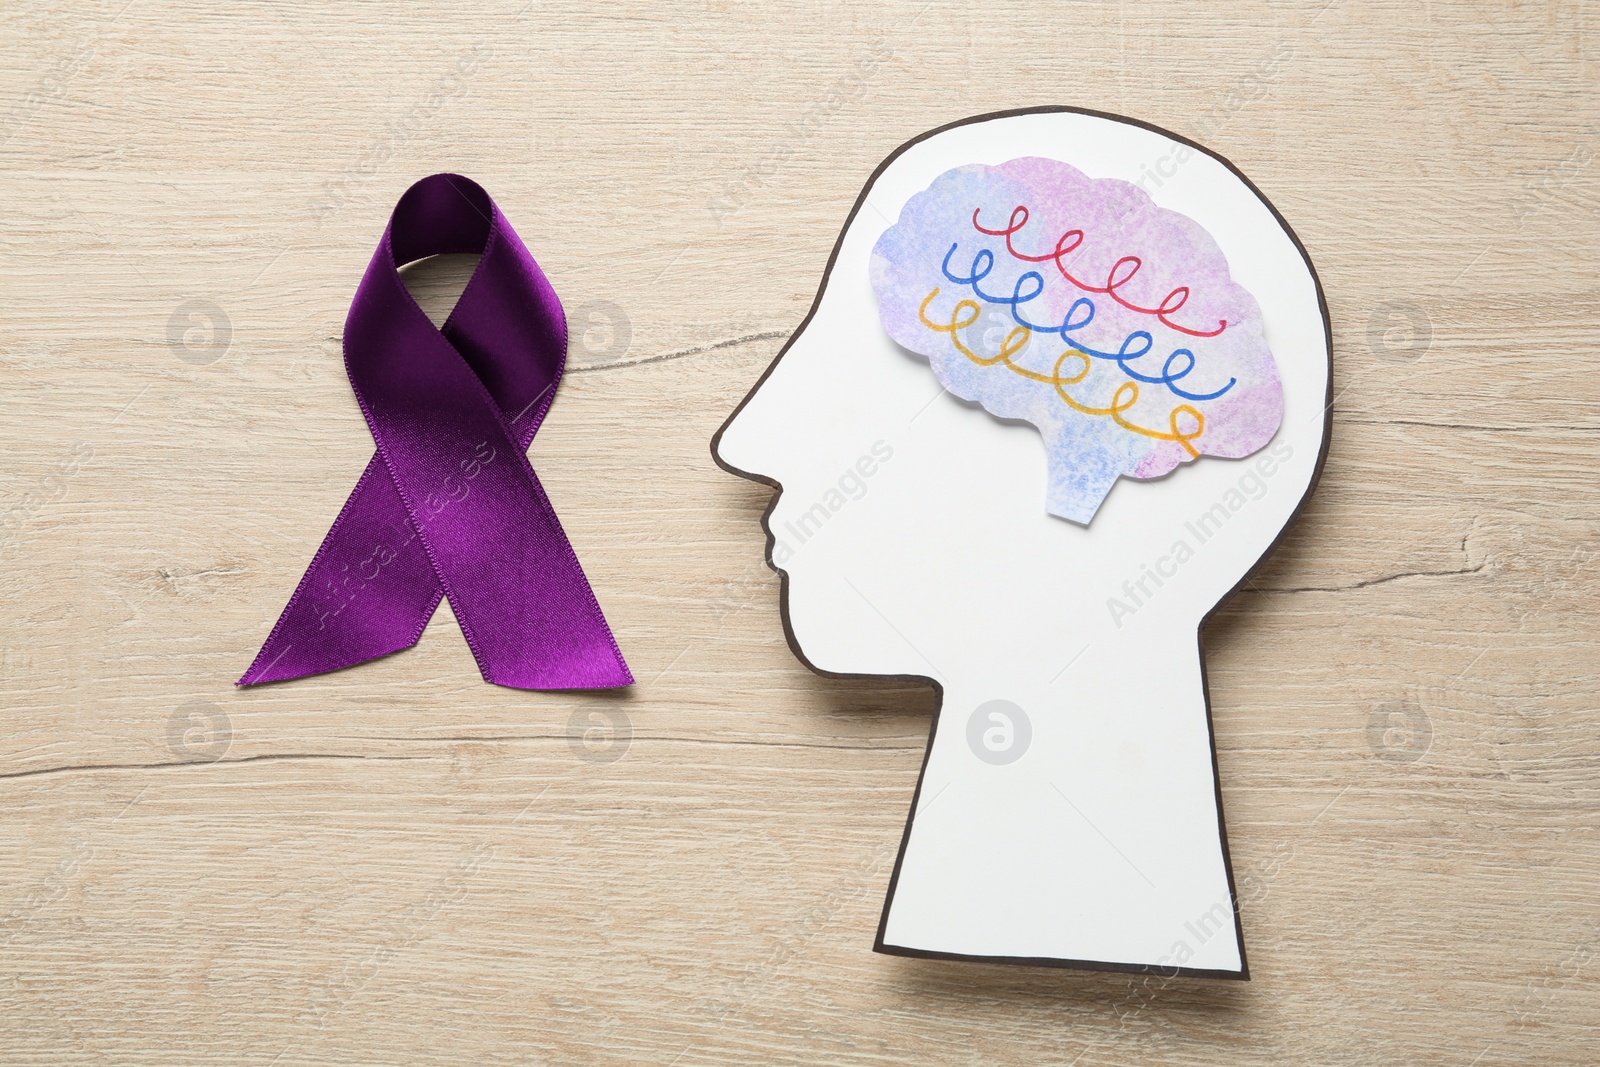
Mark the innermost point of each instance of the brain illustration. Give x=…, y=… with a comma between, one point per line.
x=1079, y=306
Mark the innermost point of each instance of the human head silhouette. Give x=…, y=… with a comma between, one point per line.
x=1068, y=811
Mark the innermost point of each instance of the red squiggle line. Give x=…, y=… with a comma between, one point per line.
x=1114, y=280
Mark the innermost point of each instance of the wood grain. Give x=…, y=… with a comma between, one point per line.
x=400, y=865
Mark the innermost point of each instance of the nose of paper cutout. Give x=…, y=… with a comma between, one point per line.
x=1079, y=306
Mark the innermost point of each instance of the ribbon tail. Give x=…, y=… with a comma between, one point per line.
x=553, y=635
x=369, y=591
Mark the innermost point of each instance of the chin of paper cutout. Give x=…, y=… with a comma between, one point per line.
x=1079, y=306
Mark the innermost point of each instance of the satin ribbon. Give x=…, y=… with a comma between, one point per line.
x=449, y=505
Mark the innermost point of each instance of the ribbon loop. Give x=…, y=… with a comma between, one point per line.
x=449, y=505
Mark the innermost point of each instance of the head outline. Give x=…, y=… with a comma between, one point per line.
x=900, y=678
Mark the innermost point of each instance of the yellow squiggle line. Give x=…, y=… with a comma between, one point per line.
x=1017, y=339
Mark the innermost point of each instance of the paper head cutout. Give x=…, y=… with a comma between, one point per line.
x=1080, y=306
x=1068, y=811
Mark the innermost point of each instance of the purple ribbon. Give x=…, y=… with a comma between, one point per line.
x=450, y=506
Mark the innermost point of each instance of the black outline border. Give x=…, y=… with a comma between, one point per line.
x=1243, y=974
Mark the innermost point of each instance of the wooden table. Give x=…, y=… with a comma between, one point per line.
x=399, y=864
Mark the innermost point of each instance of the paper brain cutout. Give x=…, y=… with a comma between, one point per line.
x=1081, y=307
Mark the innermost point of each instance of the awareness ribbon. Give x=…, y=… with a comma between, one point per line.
x=449, y=505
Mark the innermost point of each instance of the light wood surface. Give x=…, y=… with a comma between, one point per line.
x=399, y=864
